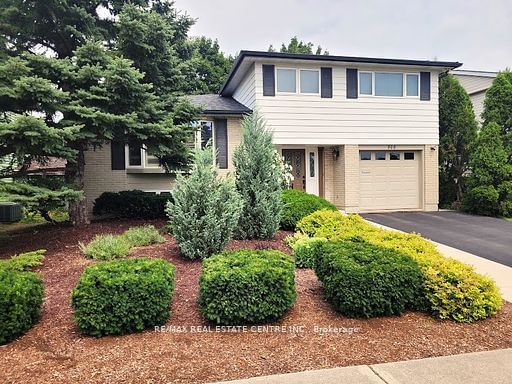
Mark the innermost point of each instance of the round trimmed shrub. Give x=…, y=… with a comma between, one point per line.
x=21, y=297
x=123, y=296
x=246, y=286
x=364, y=280
x=297, y=204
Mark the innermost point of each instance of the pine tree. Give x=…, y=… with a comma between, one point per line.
x=258, y=180
x=457, y=131
x=76, y=74
x=205, y=209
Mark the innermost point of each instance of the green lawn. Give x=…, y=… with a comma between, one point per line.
x=508, y=219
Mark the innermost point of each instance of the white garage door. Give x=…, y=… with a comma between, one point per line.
x=389, y=180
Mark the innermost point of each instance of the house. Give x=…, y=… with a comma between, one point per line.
x=360, y=132
x=476, y=83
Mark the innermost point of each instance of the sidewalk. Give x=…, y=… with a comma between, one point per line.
x=472, y=368
x=500, y=273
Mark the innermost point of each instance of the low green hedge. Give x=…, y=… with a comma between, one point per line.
x=297, y=204
x=246, y=286
x=364, y=280
x=453, y=290
x=123, y=296
x=21, y=295
x=133, y=204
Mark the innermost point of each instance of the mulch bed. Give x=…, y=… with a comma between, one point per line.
x=54, y=352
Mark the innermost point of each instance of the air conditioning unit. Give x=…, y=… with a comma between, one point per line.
x=10, y=212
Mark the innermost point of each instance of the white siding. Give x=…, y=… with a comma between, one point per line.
x=309, y=119
x=477, y=99
x=472, y=83
x=245, y=92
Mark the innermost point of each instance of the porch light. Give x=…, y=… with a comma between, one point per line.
x=335, y=153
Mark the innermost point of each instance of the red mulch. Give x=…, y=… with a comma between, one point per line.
x=53, y=351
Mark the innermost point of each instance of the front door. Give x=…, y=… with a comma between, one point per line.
x=296, y=158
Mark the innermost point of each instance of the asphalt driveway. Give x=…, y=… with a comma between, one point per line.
x=487, y=237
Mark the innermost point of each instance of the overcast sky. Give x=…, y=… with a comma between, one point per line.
x=475, y=32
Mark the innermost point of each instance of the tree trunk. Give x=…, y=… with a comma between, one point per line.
x=78, y=214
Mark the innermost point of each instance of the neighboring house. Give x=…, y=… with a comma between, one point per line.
x=361, y=132
x=476, y=83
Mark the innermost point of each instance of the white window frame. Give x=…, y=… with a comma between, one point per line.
x=404, y=85
x=297, y=81
x=359, y=84
x=143, y=159
x=319, y=81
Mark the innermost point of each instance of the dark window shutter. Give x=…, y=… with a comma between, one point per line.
x=326, y=83
x=351, y=83
x=221, y=142
x=425, y=86
x=269, y=81
x=117, y=155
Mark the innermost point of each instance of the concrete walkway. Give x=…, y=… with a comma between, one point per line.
x=471, y=368
x=500, y=273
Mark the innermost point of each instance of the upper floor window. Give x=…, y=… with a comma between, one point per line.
x=286, y=80
x=391, y=84
x=307, y=81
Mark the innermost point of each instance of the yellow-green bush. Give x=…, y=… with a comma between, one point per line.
x=453, y=289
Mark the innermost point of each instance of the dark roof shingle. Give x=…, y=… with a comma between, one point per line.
x=219, y=105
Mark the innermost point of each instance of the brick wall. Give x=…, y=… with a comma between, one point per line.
x=99, y=177
x=234, y=139
x=349, y=173
x=431, y=177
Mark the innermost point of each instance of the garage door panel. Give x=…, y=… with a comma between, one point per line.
x=389, y=184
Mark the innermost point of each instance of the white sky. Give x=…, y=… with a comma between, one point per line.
x=475, y=32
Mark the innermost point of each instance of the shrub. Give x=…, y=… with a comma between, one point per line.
x=258, y=180
x=23, y=261
x=246, y=286
x=297, y=204
x=133, y=204
x=482, y=201
x=123, y=296
x=453, y=289
x=306, y=249
x=364, y=280
x=144, y=235
x=21, y=295
x=106, y=247
x=333, y=225
x=205, y=210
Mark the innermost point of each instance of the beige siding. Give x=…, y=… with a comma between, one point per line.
x=309, y=119
x=245, y=92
